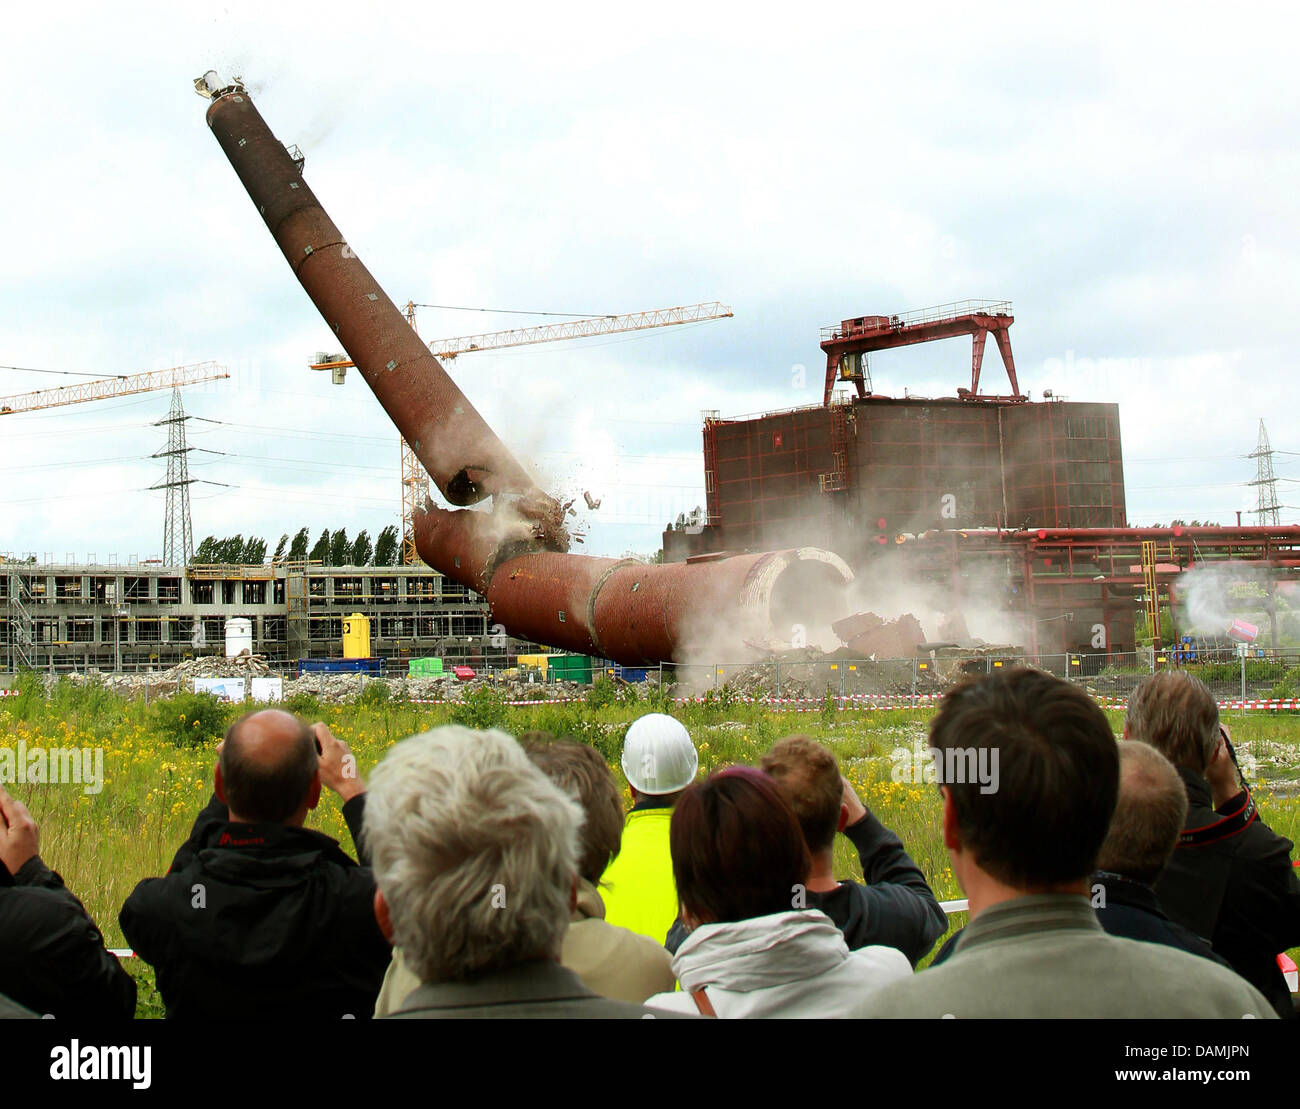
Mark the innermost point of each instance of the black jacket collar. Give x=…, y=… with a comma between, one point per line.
x=1198, y=788
x=272, y=840
x=1128, y=892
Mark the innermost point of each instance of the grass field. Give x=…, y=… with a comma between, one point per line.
x=158, y=763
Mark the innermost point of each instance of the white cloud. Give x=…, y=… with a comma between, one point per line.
x=1126, y=179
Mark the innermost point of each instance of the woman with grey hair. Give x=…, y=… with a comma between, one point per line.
x=475, y=853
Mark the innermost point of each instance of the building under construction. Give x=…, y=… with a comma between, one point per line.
x=70, y=617
x=1017, y=504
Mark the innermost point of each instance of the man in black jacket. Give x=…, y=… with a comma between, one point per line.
x=896, y=907
x=1149, y=816
x=1230, y=879
x=260, y=918
x=52, y=956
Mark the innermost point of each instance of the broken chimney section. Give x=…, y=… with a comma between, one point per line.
x=462, y=454
x=514, y=555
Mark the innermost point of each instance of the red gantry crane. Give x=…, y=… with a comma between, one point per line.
x=846, y=343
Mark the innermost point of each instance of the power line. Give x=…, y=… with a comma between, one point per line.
x=62, y=373
x=97, y=493
x=78, y=462
x=518, y=311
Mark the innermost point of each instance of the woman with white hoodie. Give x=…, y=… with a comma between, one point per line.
x=740, y=862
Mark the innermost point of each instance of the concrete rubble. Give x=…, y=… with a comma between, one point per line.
x=872, y=636
x=333, y=688
x=807, y=674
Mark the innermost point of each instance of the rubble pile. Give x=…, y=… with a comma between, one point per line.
x=870, y=636
x=335, y=688
x=795, y=673
x=951, y=663
x=163, y=683
x=330, y=687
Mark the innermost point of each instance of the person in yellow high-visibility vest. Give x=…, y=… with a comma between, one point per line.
x=659, y=760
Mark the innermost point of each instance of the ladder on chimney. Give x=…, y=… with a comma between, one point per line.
x=837, y=479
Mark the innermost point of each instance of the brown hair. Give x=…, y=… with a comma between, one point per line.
x=579, y=770
x=1178, y=716
x=737, y=848
x=809, y=778
x=1149, y=816
x=1058, y=776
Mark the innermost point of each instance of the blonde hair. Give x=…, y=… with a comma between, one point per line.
x=1148, y=817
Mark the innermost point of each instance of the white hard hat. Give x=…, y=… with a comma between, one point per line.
x=658, y=755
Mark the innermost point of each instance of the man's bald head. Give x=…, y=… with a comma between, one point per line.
x=268, y=767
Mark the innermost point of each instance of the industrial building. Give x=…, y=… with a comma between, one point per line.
x=66, y=617
x=995, y=501
x=1017, y=503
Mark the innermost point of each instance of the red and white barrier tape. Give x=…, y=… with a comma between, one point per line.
x=864, y=701
x=1287, y=704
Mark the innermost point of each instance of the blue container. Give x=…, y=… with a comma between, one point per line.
x=626, y=673
x=372, y=665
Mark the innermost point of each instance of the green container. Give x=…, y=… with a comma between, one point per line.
x=570, y=668
x=424, y=667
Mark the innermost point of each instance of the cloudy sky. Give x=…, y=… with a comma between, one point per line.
x=1126, y=178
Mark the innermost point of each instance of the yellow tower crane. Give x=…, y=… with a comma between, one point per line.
x=106, y=387
x=412, y=472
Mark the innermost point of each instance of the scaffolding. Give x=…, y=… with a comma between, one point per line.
x=22, y=628
x=68, y=617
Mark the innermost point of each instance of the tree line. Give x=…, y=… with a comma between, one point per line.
x=332, y=548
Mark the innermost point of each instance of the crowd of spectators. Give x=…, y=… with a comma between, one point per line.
x=501, y=877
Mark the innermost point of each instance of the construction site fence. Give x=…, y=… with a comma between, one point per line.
x=1264, y=680
x=1258, y=679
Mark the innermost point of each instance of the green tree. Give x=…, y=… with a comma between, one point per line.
x=206, y=552
x=254, y=552
x=321, y=552
x=230, y=549
x=340, y=548
x=362, y=549
x=298, y=548
x=279, y=548
x=387, y=548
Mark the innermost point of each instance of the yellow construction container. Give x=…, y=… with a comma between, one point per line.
x=535, y=662
x=356, y=636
